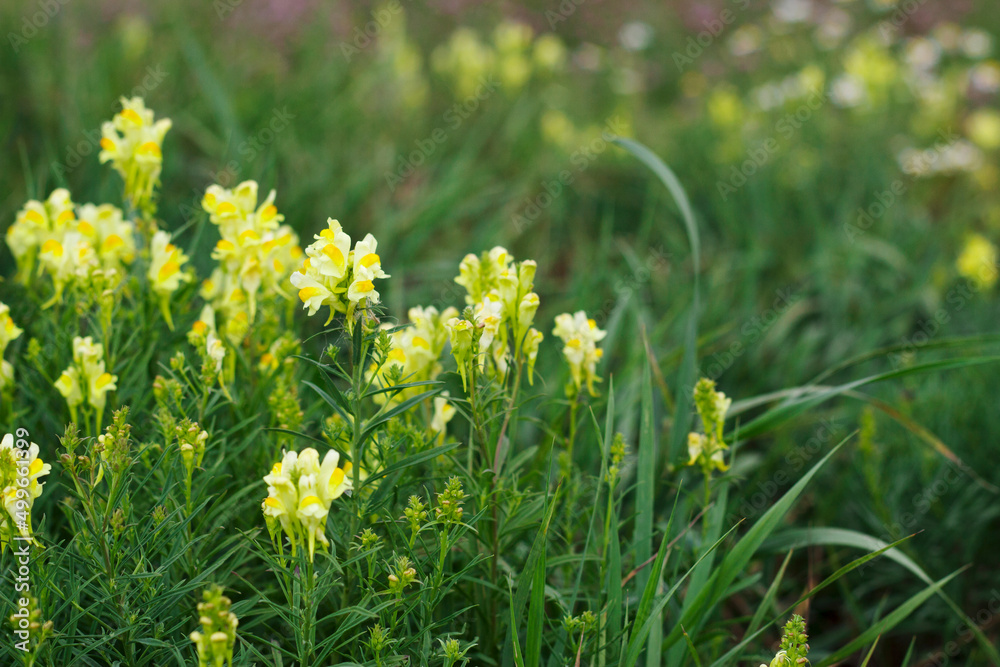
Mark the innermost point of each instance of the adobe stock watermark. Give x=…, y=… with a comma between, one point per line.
x=247, y=150
x=983, y=618
x=876, y=210
x=899, y=17
x=452, y=119
x=713, y=29
x=758, y=156
x=35, y=22
x=581, y=159
x=562, y=13
x=364, y=36
x=91, y=142
x=22, y=551
x=752, y=331
x=224, y=8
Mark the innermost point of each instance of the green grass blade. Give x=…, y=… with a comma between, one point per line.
x=536, y=615
x=736, y=560
x=685, y=377
x=887, y=623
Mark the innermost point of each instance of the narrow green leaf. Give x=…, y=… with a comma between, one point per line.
x=887, y=623
x=536, y=615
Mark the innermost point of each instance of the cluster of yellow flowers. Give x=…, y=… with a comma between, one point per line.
x=69, y=242
x=8, y=332
x=416, y=349
x=86, y=378
x=415, y=356
x=706, y=449
x=580, y=336
x=335, y=276
x=513, y=56
x=133, y=141
x=300, y=491
x=256, y=254
x=503, y=306
x=20, y=469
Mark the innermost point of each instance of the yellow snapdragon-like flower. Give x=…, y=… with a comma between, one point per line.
x=69, y=243
x=256, y=254
x=416, y=350
x=133, y=142
x=8, y=332
x=20, y=468
x=300, y=492
x=337, y=277
x=707, y=449
x=500, y=291
x=86, y=378
x=111, y=236
x=443, y=413
x=580, y=336
x=35, y=224
x=166, y=272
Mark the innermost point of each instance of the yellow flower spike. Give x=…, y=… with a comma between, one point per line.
x=132, y=142
x=580, y=336
x=301, y=490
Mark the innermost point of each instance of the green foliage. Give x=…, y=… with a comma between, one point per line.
x=538, y=526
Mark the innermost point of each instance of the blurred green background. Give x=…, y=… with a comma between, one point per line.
x=840, y=157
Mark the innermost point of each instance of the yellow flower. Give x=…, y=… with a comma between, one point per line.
x=8, y=330
x=978, y=261
x=549, y=52
x=330, y=252
x=68, y=385
x=36, y=223
x=166, y=271
x=416, y=350
x=86, y=378
x=443, y=413
x=111, y=236
x=100, y=385
x=256, y=253
x=20, y=468
x=301, y=491
x=983, y=126
x=580, y=336
x=132, y=141
x=335, y=276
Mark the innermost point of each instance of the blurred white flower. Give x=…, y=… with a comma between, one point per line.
x=847, y=91
x=922, y=53
x=745, y=40
x=975, y=43
x=635, y=35
x=792, y=11
x=985, y=77
x=833, y=27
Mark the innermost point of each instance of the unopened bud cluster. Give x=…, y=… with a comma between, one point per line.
x=217, y=638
